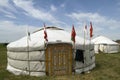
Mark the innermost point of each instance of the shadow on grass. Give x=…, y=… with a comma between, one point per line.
x=97, y=67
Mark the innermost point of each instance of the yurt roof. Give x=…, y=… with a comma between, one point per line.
x=37, y=39
x=52, y=28
x=103, y=40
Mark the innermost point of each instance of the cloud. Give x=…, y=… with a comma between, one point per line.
x=7, y=13
x=97, y=19
x=7, y=9
x=62, y=5
x=10, y=16
x=53, y=8
x=101, y=24
x=4, y=3
x=9, y=31
x=30, y=10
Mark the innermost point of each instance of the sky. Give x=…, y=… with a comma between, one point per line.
x=17, y=15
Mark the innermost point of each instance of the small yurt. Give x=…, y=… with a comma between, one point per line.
x=105, y=45
x=36, y=57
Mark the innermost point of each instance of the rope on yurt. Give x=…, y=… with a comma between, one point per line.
x=26, y=69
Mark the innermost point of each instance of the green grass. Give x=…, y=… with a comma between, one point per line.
x=107, y=68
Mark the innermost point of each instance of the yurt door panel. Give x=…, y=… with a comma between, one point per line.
x=58, y=59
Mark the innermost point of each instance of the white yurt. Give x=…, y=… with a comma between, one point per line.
x=105, y=45
x=35, y=57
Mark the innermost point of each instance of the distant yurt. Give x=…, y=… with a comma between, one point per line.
x=35, y=57
x=105, y=45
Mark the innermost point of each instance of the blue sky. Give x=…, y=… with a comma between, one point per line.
x=16, y=15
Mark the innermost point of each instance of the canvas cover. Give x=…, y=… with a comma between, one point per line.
x=29, y=59
x=105, y=45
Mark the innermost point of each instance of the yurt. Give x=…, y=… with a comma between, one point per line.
x=105, y=45
x=35, y=57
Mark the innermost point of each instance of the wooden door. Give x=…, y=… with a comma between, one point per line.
x=58, y=59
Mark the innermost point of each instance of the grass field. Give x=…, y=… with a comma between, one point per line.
x=107, y=68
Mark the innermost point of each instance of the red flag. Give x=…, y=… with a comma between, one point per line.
x=45, y=33
x=91, y=30
x=73, y=34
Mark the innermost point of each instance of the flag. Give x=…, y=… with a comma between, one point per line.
x=28, y=34
x=85, y=32
x=85, y=28
x=45, y=33
x=91, y=30
x=73, y=34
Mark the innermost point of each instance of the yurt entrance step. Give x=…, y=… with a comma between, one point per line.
x=58, y=59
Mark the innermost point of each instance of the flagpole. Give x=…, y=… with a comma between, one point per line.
x=73, y=34
x=91, y=34
x=85, y=32
x=84, y=40
x=28, y=51
x=28, y=56
x=45, y=36
x=85, y=29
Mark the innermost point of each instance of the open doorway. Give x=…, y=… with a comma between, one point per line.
x=79, y=56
